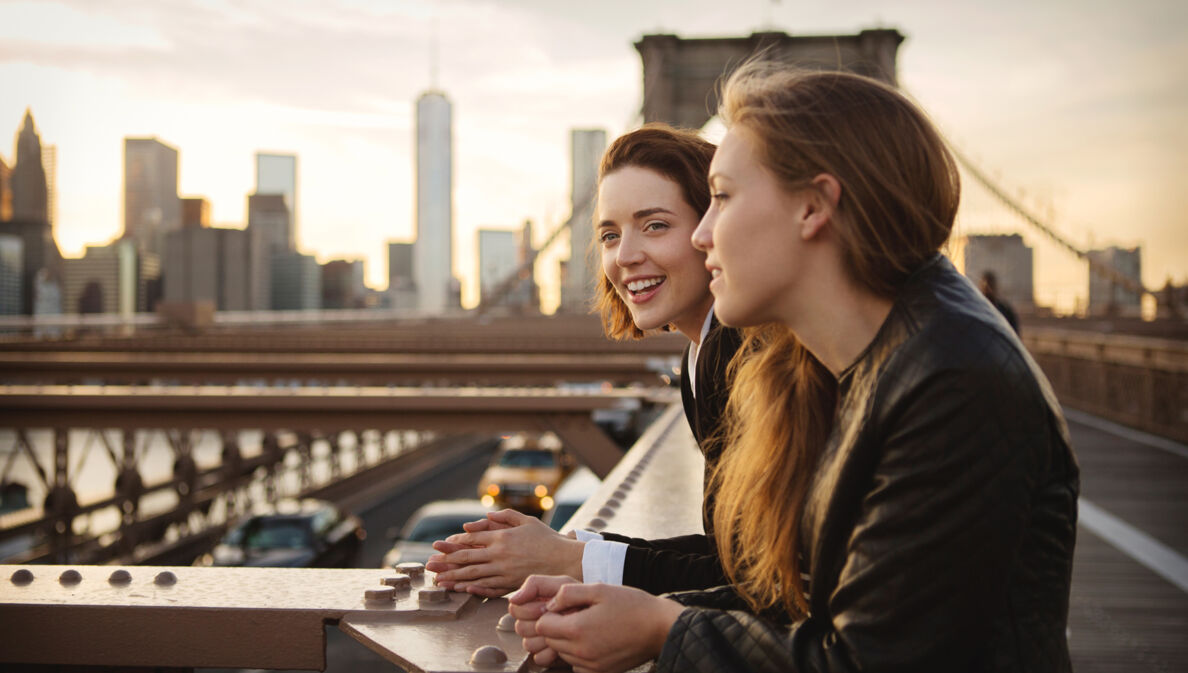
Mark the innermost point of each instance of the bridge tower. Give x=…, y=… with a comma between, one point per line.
x=681, y=75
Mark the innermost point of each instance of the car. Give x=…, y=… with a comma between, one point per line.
x=525, y=472
x=571, y=494
x=431, y=522
x=291, y=534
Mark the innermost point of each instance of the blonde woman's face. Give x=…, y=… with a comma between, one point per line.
x=750, y=236
x=643, y=229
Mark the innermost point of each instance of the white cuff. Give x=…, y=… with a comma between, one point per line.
x=584, y=535
x=602, y=561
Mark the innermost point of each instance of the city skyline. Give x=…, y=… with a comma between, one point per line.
x=1081, y=109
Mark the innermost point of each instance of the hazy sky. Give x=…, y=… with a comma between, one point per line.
x=1079, y=106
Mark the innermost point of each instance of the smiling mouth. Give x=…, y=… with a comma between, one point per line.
x=642, y=287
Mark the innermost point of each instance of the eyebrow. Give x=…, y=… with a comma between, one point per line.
x=638, y=215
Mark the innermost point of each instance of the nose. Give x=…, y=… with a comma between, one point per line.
x=703, y=235
x=629, y=252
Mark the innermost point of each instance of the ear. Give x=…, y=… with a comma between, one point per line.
x=822, y=201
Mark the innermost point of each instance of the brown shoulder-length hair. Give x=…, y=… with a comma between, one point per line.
x=679, y=155
x=899, y=195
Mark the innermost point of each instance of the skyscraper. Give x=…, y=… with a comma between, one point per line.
x=268, y=233
x=29, y=200
x=49, y=163
x=497, y=260
x=586, y=148
x=277, y=174
x=1011, y=261
x=5, y=191
x=1107, y=297
x=402, y=288
x=434, y=247
x=151, y=205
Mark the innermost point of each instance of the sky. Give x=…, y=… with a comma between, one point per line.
x=1077, y=107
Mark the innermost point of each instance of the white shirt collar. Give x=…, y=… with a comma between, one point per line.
x=691, y=365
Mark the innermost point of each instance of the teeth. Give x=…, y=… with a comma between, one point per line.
x=715, y=273
x=638, y=285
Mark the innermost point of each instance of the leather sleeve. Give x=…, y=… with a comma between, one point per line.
x=670, y=564
x=950, y=466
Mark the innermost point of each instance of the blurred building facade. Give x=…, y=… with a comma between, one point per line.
x=585, y=150
x=208, y=265
x=1107, y=297
x=49, y=162
x=195, y=212
x=41, y=266
x=268, y=236
x=5, y=191
x=402, y=286
x=12, y=271
x=152, y=208
x=27, y=181
x=497, y=259
x=342, y=284
x=116, y=278
x=434, y=246
x=296, y=282
x=1011, y=261
x=277, y=174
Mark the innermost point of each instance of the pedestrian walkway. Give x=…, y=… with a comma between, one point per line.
x=1129, y=606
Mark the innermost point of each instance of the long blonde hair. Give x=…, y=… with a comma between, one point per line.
x=900, y=190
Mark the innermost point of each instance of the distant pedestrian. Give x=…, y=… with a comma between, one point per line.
x=989, y=287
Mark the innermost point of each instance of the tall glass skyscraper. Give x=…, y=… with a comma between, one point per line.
x=151, y=205
x=277, y=174
x=585, y=150
x=434, y=247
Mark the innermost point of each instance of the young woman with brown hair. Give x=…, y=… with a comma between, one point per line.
x=652, y=193
x=936, y=508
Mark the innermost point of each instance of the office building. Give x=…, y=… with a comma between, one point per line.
x=49, y=163
x=5, y=191
x=12, y=254
x=1107, y=297
x=402, y=287
x=342, y=284
x=151, y=205
x=1011, y=261
x=434, y=247
x=29, y=199
x=40, y=260
x=277, y=174
x=113, y=278
x=208, y=265
x=269, y=224
x=585, y=150
x=195, y=212
x=296, y=282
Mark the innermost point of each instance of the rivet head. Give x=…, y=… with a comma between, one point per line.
x=120, y=577
x=22, y=577
x=70, y=577
x=606, y=512
x=165, y=579
x=411, y=569
x=432, y=595
x=597, y=524
x=613, y=503
x=379, y=595
x=488, y=655
x=620, y=494
x=506, y=623
x=397, y=582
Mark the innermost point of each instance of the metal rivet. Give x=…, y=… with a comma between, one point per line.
x=620, y=494
x=630, y=479
x=411, y=569
x=432, y=595
x=397, y=582
x=70, y=577
x=488, y=655
x=613, y=503
x=22, y=577
x=380, y=595
x=597, y=524
x=165, y=579
x=506, y=623
x=606, y=512
x=120, y=577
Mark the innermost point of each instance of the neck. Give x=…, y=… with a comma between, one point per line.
x=690, y=323
x=838, y=320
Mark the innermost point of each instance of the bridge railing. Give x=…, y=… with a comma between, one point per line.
x=1137, y=381
x=141, y=616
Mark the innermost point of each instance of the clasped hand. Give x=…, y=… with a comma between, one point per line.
x=495, y=555
x=593, y=627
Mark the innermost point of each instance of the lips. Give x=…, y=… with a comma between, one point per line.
x=643, y=289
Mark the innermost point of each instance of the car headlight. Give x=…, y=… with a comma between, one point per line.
x=493, y=490
x=541, y=490
x=227, y=555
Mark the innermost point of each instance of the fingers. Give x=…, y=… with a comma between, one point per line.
x=481, y=538
x=509, y=517
x=545, y=657
x=476, y=526
x=575, y=596
x=527, y=611
x=539, y=586
x=447, y=547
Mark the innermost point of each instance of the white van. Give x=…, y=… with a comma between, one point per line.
x=571, y=495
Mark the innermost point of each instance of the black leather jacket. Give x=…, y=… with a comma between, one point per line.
x=939, y=530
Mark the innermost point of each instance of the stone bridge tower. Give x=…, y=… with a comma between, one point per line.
x=681, y=75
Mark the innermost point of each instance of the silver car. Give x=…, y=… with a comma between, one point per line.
x=430, y=523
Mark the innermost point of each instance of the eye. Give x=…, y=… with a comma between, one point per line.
x=607, y=237
x=655, y=225
x=719, y=196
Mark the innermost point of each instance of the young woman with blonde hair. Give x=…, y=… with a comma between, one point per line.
x=936, y=508
x=651, y=196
